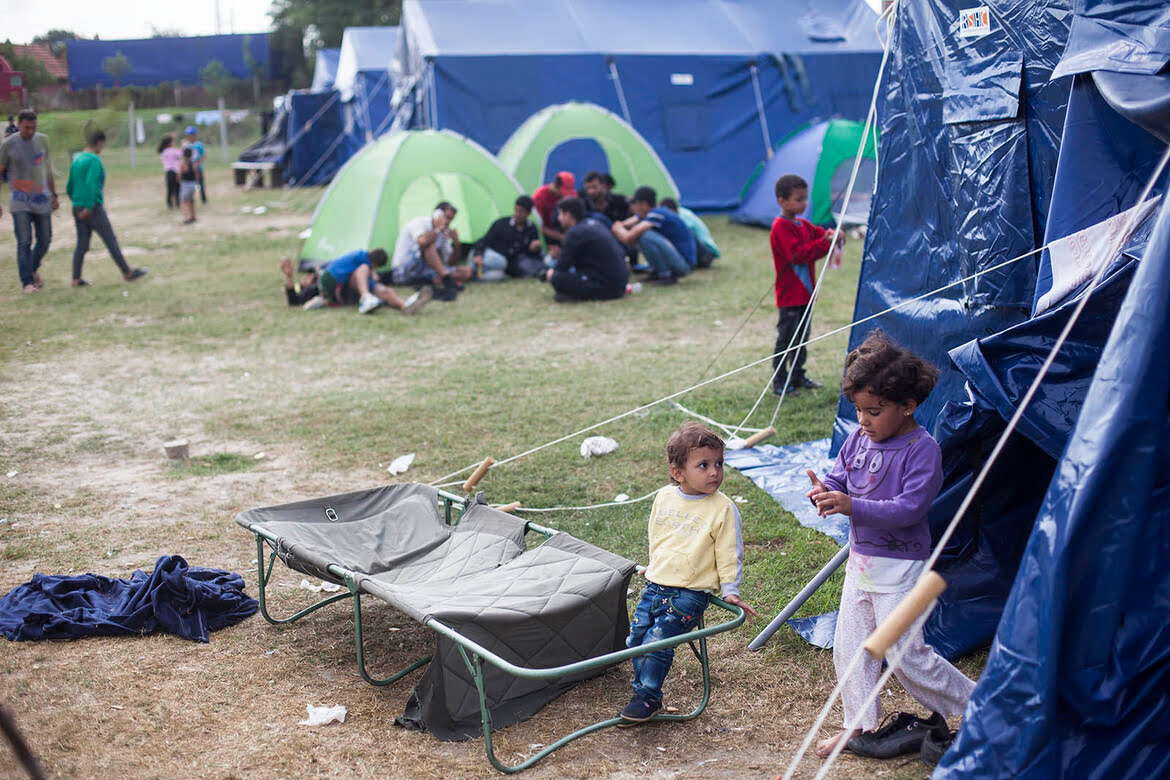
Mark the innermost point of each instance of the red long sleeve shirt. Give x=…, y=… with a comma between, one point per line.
x=799, y=243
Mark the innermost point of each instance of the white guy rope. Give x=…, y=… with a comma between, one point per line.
x=725, y=428
x=443, y=481
x=651, y=494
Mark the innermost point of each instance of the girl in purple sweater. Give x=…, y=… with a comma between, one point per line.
x=887, y=474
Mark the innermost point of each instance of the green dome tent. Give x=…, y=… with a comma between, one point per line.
x=631, y=160
x=823, y=154
x=401, y=176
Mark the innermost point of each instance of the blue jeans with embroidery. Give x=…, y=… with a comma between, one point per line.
x=662, y=613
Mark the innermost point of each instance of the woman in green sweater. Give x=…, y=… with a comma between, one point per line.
x=87, y=177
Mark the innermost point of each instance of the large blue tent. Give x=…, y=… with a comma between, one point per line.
x=1028, y=128
x=711, y=84
x=164, y=60
x=325, y=70
x=365, y=81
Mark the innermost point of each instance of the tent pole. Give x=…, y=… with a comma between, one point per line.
x=812, y=587
x=760, y=110
x=617, y=83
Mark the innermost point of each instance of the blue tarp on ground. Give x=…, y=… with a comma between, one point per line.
x=176, y=598
x=684, y=68
x=164, y=60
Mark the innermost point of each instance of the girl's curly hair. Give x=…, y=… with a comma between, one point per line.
x=888, y=371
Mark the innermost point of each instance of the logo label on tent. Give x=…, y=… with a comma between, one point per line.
x=682, y=79
x=974, y=22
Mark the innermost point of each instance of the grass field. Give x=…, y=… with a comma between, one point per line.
x=92, y=381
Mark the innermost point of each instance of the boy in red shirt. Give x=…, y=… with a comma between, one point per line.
x=797, y=244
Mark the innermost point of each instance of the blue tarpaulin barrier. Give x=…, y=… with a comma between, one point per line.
x=163, y=60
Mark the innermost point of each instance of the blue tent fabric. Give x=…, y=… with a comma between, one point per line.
x=179, y=599
x=325, y=70
x=316, y=123
x=956, y=196
x=163, y=60
x=481, y=67
x=1119, y=36
x=799, y=155
x=1078, y=680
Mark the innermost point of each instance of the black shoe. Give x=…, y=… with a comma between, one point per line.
x=640, y=709
x=444, y=294
x=663, y=281
x=137, y=273
x=808, y=384
x=900, y=733
x=938, y=741
x=779, y=391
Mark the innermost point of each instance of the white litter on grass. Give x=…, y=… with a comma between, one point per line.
x=328, y=587
x=125, y=294
x=718, y=322
x=621, y=497
x=260, y=210
x=12, y=474
x=735, y=443
x=597, y=445
x=260, y=456
x=246, y=210
x=739, y=499
x=304, y=234
x=400, y=464
x=319, y=716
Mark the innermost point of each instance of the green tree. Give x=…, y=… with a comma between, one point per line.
x=216, y=79
x=117, y=66
x=35, y=74
x=291, y=19
x=56, y=40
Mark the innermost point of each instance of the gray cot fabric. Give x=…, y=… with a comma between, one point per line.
x=558, y=603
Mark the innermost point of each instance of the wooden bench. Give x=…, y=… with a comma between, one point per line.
x=255, y=171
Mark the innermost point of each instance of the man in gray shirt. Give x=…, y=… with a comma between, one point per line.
x=25, y=157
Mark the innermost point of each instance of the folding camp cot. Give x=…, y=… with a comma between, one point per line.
x=541, y=618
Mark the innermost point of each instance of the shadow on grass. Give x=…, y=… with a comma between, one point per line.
x=210, y=465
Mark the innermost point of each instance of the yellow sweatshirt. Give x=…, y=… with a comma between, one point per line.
x=696, y=542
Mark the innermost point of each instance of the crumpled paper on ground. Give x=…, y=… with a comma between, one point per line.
x=400, y=464
x=597, y=445
x=328, y=587
x=319, y=716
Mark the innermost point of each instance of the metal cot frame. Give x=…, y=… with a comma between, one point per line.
x=474, y=655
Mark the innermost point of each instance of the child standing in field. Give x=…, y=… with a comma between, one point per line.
x=797, y=244
x=171, y=157
x=188, y=185
x=886, y=476
x=696, y=550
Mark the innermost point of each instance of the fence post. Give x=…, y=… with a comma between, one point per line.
x=133, y=138
x=223, y=120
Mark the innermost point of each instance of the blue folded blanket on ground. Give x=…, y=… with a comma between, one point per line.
x=184, y=600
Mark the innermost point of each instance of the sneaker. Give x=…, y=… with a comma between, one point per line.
x=316, y=302
x=444, y=294
x=137, y=273
x=937, y=742
x=809, y=384
x=640, y=709
x=368, y=303
x=664, y=281
x=900, y=733
x=415, y=302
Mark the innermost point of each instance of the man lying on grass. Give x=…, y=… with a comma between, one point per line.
x=351, y=278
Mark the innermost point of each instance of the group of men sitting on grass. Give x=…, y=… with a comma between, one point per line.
x=590, y=246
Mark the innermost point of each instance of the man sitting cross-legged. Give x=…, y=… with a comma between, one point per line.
x=592, y=265
x=426, y=252
x=352, y=277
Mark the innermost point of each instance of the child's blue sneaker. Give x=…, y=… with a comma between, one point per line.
x=640, y=709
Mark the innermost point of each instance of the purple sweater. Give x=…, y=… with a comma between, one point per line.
x=892, y=484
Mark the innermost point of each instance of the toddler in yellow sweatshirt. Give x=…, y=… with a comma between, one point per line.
x=696, y=551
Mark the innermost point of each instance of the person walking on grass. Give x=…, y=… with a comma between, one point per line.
x=87, y=180
x=188, y=184
x=171, y=158
x=24, y=156
x=886, y=476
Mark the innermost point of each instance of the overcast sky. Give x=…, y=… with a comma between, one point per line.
x=23, y=20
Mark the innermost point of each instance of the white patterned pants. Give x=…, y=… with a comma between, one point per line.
x=926, y=675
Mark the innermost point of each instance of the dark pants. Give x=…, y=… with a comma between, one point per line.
x=583, y=288
x=785, y=330
x=705, y=257
x=172, y=189
x=28, y=254
x=662, y=613
x=98, y=223
x=202, y=191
